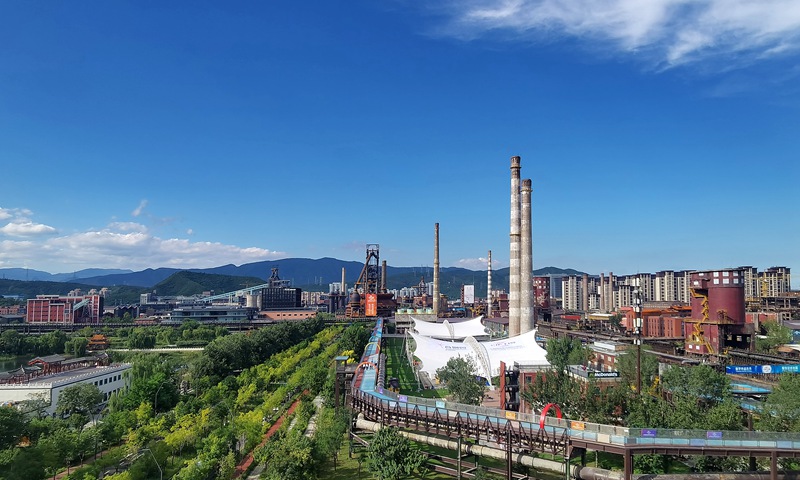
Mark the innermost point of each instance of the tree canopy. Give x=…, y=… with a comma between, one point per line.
x=459, y=374
x=391, y=456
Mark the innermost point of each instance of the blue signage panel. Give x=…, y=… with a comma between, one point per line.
x=649, y=432
x=757, y=369
x=714, y=435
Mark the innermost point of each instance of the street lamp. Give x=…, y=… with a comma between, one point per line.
x=155, y=397
x=637, y=330
x=160, y=473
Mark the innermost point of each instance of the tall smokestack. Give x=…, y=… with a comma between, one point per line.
x=436, y=270
x=343, y=296
x=489, y=286
x=513, y=278
x=383, y=276
x=602, y=292
x=526, y=261
x=585, y=295
x=612, y=304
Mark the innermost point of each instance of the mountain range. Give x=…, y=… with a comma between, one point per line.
x=308, y=274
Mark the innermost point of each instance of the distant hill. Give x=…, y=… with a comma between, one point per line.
x=27, y=274
x=117, y=294
x=191, y=283
x=308, y=274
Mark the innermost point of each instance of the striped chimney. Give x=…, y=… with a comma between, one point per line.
x=526, y=261
x=513, y=278
x=489, y=286
x=436, y=270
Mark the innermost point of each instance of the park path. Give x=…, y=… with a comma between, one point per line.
x=248, y=459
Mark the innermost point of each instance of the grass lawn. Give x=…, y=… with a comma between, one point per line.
x=397, y=367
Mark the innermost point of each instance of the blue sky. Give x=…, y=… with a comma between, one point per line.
x=659, y=134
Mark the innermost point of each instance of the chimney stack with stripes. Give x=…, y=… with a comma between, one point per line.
x=526, y=312
x=436, y=270
x=514, y=260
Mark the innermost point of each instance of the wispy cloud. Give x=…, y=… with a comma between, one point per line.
x=664, y=32
x=479, y=263
x=138, y=210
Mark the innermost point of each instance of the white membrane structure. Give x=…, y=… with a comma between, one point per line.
x=434, y=354
x=451, y=331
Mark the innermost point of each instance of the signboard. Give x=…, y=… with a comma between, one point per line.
x=439, y=404
x=577, y=425
x=714, y=435
x=511, y=415
x=603, y=374
x=758, y=369
x=402, y=398
x=371, y=309
x=469, y=294
x=649, y=432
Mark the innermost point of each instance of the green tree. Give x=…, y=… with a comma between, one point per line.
x=289, y=458
x=331, y=427
x=776, y=335
x=566, y=351
x=79, y=398
x=784, y=405
x=12, y=425
x=460, y=376
x=391, y=456
x=76, y=346
x=626, y=365
x=355, y=338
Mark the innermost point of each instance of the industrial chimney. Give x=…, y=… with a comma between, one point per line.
x=383, y=276
x=514, y=260
x=489, y=286
x=526, y=261
x=436, y=270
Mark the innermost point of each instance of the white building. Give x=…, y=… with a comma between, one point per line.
x=109, y=379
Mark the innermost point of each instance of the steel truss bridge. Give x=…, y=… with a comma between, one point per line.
x=520, y=433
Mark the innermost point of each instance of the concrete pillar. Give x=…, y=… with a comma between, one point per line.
x=514, y=270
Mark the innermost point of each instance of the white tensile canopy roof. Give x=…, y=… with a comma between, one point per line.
x=523, y=349
x=452, y=331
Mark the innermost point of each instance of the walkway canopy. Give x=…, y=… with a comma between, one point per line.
x=451, y=330
x=434, y=354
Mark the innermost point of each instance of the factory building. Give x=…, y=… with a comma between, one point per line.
x=718, y=313
x=68, y=309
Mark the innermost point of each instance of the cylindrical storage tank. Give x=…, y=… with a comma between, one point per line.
x=726, y=296
x=541, y=292
x=250, y=300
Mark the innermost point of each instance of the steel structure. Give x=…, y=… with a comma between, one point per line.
x=525, y=433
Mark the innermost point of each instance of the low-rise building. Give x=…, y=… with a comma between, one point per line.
x=47, y=377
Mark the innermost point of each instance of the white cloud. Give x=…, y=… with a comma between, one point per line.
x=27, y=229
x=666, y=32
x=473, y=263
x=138, y=210
x=190, y=232
x=125, y=245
